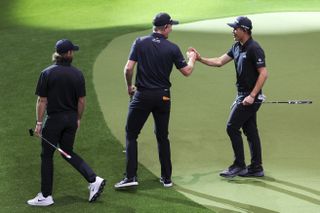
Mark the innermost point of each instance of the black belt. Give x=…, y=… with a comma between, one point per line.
x=243, y=93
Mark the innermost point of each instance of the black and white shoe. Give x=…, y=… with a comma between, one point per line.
x=166, y=182
x=127, y=182
x=96, y=188
x=253, y=171
x=40, y=200
x=233, y=171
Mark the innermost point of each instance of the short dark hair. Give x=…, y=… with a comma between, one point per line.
x=159, y=28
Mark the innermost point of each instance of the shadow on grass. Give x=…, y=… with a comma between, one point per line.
x=147, y=188
x=293, y=185
x=7, y=14
x=234, y=204
x=262, y=182
x=197, y=176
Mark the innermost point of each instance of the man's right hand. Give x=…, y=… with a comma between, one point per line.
x=37, y=129
x=191, y=49
x=131, y=90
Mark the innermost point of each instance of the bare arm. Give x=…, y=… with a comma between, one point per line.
x=81, y=107
x=263, y=75
x=41, y=107
x=215, y=62
x=128, y=74
x=187, y=70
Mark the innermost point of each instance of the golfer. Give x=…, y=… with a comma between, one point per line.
x=61, y=93
x=155, y=57
x=251, y=72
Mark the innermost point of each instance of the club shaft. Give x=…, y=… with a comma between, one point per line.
x=283, y=102
x=286, y=102
x=48, y=142
x=57, y=148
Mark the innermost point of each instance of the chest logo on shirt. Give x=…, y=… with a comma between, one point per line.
x=156, y=40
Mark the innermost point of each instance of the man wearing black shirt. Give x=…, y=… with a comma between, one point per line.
x=155, y=57
x=251, y=73
x=61, y=94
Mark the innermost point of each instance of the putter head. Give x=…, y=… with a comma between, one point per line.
x=31, y=132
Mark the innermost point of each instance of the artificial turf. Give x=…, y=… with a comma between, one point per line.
x=29, y=29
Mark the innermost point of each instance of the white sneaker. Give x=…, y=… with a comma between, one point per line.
x=96, y=188
x=39, y=200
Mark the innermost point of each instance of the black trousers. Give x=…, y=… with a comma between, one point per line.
x=145, y=102
x=244, y=117
x=60, y=129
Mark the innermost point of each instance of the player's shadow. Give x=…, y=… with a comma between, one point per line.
x=234, y=204
x=264, y=182
x=195, y=178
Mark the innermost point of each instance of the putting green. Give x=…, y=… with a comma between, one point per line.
x=200, y=108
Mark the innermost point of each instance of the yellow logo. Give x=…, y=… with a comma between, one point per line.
x=165, y=98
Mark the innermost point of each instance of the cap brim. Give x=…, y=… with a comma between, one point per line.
x=233, y=25
x=174, y=22
x=75, y=48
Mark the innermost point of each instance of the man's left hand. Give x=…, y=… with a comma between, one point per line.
x=248, y=100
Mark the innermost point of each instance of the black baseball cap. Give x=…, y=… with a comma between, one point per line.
x=65, y=45
x=162, y=19
x=242, y=22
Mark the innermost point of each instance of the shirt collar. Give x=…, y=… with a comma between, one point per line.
x=158, y=35
x=63, y=63
x=246, y=43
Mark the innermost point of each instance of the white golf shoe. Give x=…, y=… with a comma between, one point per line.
x=39, y=200
x=96, y=188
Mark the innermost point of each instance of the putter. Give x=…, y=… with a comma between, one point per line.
x=286, y=102
x=31, y=132
x=283, y=102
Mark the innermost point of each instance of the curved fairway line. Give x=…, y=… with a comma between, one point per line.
x=200, y=146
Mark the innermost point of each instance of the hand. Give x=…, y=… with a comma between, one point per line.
x=131, y=90
x=248, y=100
x=37, y=130
x=191, y=55
x=191, y=49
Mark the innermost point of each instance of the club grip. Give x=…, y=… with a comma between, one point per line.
x=31, y=132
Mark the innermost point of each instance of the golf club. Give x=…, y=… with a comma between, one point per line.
x=286, y=102
x=31, y=132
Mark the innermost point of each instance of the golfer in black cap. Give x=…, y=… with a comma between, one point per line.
x=61, y=93
x=251, y=72
x=155, y=56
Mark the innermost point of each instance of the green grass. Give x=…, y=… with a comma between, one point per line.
x=200, y=145
x=28, y=31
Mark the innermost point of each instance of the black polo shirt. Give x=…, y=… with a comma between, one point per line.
x=62, y=84
x=155, y=56
x=247, y=59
